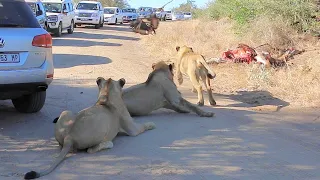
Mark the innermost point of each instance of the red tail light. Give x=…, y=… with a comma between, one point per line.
x=44, y=40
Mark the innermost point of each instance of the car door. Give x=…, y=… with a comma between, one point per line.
x=101, y=12
x=64, y=16
x=118, y=14
x=40, y=15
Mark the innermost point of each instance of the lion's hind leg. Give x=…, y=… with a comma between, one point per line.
x=101, y=146
x=133, y=129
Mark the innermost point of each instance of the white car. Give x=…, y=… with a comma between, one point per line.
x=39, y=11
x=113, y=15
x=89, y=13
x=187, y=15
x=177, y=16
x=129, y=14
x=60, y=16
x=26, y=65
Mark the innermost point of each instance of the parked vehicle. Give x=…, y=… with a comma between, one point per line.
x=60, y=16
x=113, y=15
x=39, y=11
x=129, y=14
x=177, y=16
x=161, y=14
x=187, y=15
x=145, y=12
x=26, y=66
x=168, y=15
x=89, y=13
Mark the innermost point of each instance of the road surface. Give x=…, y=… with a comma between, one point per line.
x=237, y=143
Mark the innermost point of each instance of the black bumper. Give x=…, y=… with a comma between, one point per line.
x=10, y=91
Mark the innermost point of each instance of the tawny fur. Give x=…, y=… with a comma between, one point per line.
x=194, y=65
x=94, y=128
x=159, y=91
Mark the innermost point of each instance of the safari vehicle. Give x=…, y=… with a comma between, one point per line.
x=89, y=13
x=187, y=15
x=26, y=66
x=129, y=14
x=60, y=16
x=113, y=15
x=39, y=11
x=145, y=12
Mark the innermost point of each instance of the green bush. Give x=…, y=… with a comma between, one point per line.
x=298, y=13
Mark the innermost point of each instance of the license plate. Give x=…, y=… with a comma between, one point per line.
x=84, y=19
x=9, y=58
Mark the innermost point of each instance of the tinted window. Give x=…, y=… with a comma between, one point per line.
x=129, y=10
x=109, y=11
x=53, y=7
x=18, y=14
x=87, y=6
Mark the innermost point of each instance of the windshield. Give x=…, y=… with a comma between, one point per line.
x=109, y=11
x=87, y=6
x=129, y=10
x=16, y=14
x=187, y=13
x=33, y=7
x=53, y=7
x=145, y=9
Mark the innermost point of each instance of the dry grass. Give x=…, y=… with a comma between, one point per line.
x=299, y=84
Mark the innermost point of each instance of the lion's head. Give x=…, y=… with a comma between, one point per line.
x=107, y=87
x=161, y=65
x=184, y=49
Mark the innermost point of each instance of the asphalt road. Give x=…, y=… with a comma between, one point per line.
x=236, y=144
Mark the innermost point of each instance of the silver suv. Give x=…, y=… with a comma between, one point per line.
x=39, y=11
x=26, y=66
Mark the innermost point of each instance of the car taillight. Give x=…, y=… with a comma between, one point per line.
x=44, y=40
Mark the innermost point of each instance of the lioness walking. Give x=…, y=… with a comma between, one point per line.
x=94, y=128
x=195, y=66
x=159, y=91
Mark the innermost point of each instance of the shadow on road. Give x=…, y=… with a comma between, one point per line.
x=118, y=27
x=90, y=35
x=81, y=43
x=232, y=145
x=71, y=60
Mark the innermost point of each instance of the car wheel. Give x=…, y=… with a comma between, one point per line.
x=71, y=29
x=101, y=25
x=97, y=26
x=59, y=30
x=31, y=103
x=116, y=21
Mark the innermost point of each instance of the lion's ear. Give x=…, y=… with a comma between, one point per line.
x=191, y=49
x=153, y=65
x=178, y=48
x=99, y=80
x=122, y=82
x=171, y=67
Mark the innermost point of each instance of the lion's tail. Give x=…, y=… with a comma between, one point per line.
x=210, y=74
x=66, y=148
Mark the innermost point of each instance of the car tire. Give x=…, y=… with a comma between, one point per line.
x=71, y=29
x=101, y=25
x=97, y=26
x=31, y=103
x=115, y=22
x=59, y=30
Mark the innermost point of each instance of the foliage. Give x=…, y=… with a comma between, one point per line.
x=188, y=6
x=298, y=13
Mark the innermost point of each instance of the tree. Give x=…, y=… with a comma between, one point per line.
x=188, y=6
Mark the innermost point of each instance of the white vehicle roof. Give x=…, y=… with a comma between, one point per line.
x=111, y=7
x=90, y=2
x=33, y=1
x=56, y=1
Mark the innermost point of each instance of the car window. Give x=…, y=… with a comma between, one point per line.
x=64, y=7
x=128, y=10
x=87, y=6
x=33, y=7
x=117, y=10
x=17, y=14
x=53, y=7
x=109, y=11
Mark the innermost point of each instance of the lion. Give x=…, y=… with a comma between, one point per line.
x=195, y=66
x=94, y=128
x=159, y=91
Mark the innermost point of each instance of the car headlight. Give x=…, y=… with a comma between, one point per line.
x=94, y=15
x=53, y=18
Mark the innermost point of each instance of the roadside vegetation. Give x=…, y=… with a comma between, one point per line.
x=222, y=24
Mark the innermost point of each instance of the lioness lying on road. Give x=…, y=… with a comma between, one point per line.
x=159, y=91
x=95, y=127
x=195, y=66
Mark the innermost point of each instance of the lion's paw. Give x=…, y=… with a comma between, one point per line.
x=207, y=114
x=150, y=125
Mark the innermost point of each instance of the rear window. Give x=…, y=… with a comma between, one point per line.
x=17, y=14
